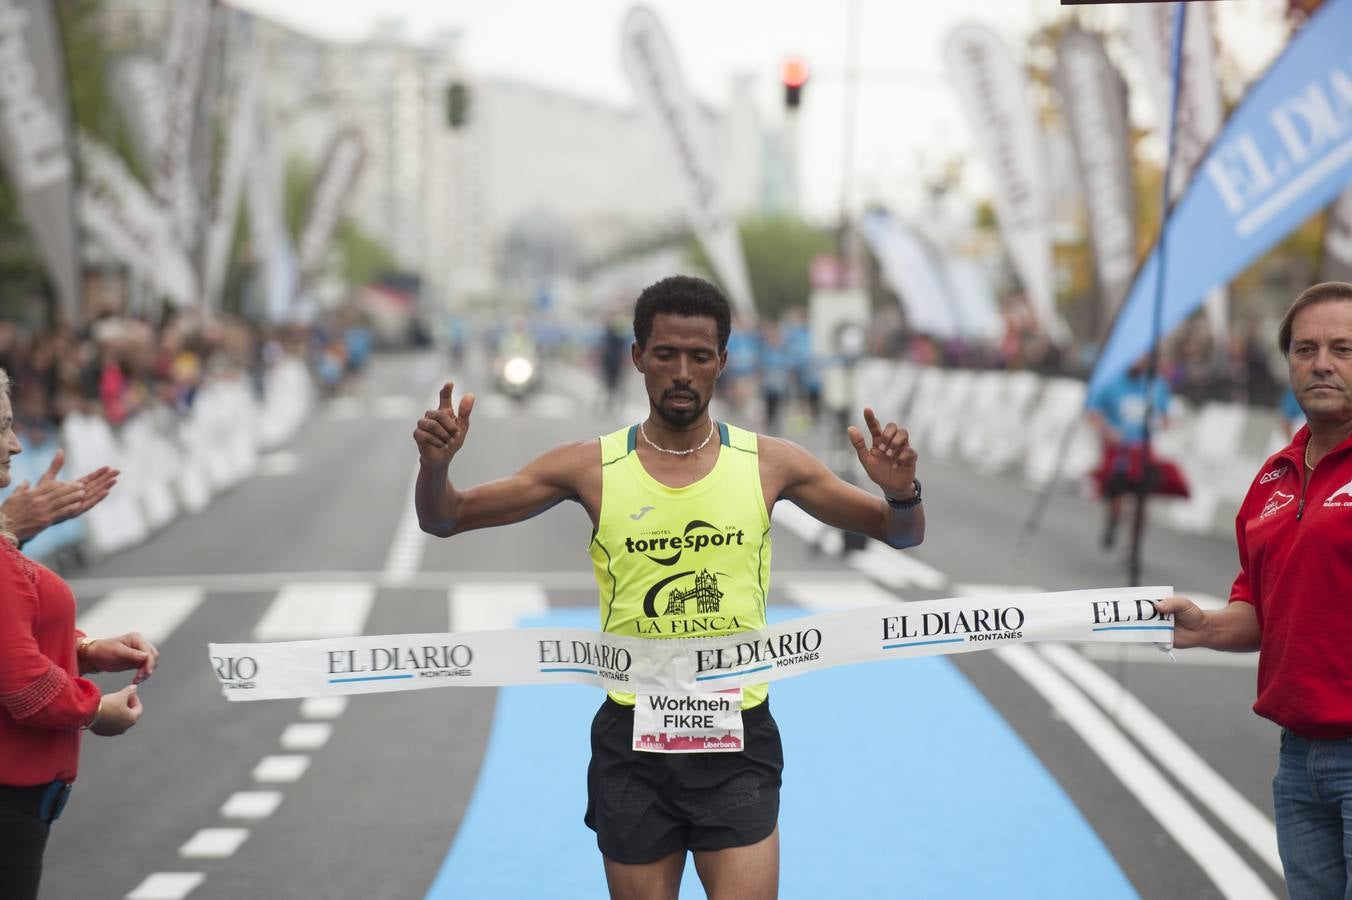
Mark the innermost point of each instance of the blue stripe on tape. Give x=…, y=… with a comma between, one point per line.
x=1135, y=628
x=369, y=678
x=732, y=674
x=586, y=671
x=924, y=643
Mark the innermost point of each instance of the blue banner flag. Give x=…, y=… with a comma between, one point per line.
x=1284, y=154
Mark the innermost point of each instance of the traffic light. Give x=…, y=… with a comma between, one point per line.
x=794, y=76
x=457, y=104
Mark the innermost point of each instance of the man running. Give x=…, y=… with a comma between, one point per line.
x=680, y=510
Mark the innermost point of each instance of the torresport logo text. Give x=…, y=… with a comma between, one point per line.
x=707, y=535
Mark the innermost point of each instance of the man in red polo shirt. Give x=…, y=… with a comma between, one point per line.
x=1290, y=600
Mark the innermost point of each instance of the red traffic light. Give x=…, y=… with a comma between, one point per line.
x=794, y=72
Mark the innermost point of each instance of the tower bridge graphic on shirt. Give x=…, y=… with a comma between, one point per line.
x=705, y=593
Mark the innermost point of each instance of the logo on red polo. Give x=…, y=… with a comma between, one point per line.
x=1276, y=502
x=1341, y=497
x=1274, y=474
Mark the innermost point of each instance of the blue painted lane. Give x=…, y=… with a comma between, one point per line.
x=900, y=780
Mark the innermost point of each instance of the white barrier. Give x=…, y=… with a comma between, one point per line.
x=997, y=421
x=1004, y=439
x=1057, y=417
x=977, y=430
x=149, y=464
x=171, y=466
x=1228, y=444
x=117, y=522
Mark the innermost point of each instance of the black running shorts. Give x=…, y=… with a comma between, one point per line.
x=646, y=806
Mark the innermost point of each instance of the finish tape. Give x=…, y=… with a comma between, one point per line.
x=371, y=664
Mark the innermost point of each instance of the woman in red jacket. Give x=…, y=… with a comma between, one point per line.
x=44, y=703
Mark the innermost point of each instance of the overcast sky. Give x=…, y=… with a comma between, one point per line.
x=907, y=114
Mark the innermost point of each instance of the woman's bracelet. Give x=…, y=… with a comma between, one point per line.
x=98, y=712
x=81, y=653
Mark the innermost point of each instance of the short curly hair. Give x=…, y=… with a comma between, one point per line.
x=682, y=295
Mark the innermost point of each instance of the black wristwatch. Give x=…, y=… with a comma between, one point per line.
x=905, y=504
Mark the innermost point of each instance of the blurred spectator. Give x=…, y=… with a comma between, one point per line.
x=775, y=365
x=612, y=354
x=738, y=382
x=1120, y=412
x=806, y=369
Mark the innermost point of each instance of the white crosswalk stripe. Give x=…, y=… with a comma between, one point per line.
x=406, y=550
x=316, y=610
x=251, y=804
x=896, y=569
x=153, y=611
x=791, y=518
x=167, y=886
x=842, y=593
x=214, y=843
x=485, y=606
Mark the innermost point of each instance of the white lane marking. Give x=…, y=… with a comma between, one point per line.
x=1226, y=868
x=281, y=768
x=214, y=843
x=967, y=589
x=167, y=886
x=844, y=593
x=396, y=406
x=316, y=610
x=154, y=611
x=895, y=568
x=406, y=550
x=480, y=606
x=251, y=804
x=282, y=462
x=323, y=707
x=1148, y=653
x=1215, y=793
x=306, y=735
x=797, y=522
x=344, y=408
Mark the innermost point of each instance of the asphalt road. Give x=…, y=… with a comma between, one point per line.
x=1155, y=769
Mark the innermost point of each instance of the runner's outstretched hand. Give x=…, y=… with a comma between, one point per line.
x=441, y=431
x=890, y=460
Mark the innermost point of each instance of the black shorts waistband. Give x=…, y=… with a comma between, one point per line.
x=749, y=716
x=41, y=801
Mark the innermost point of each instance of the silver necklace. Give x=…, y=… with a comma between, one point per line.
x=702, y=445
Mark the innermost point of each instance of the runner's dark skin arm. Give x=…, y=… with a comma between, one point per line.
x=789, y=472
x=567, y=472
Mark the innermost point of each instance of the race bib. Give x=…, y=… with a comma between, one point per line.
x=689, y=723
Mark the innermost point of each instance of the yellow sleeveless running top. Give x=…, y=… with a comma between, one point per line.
x=682, y=562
